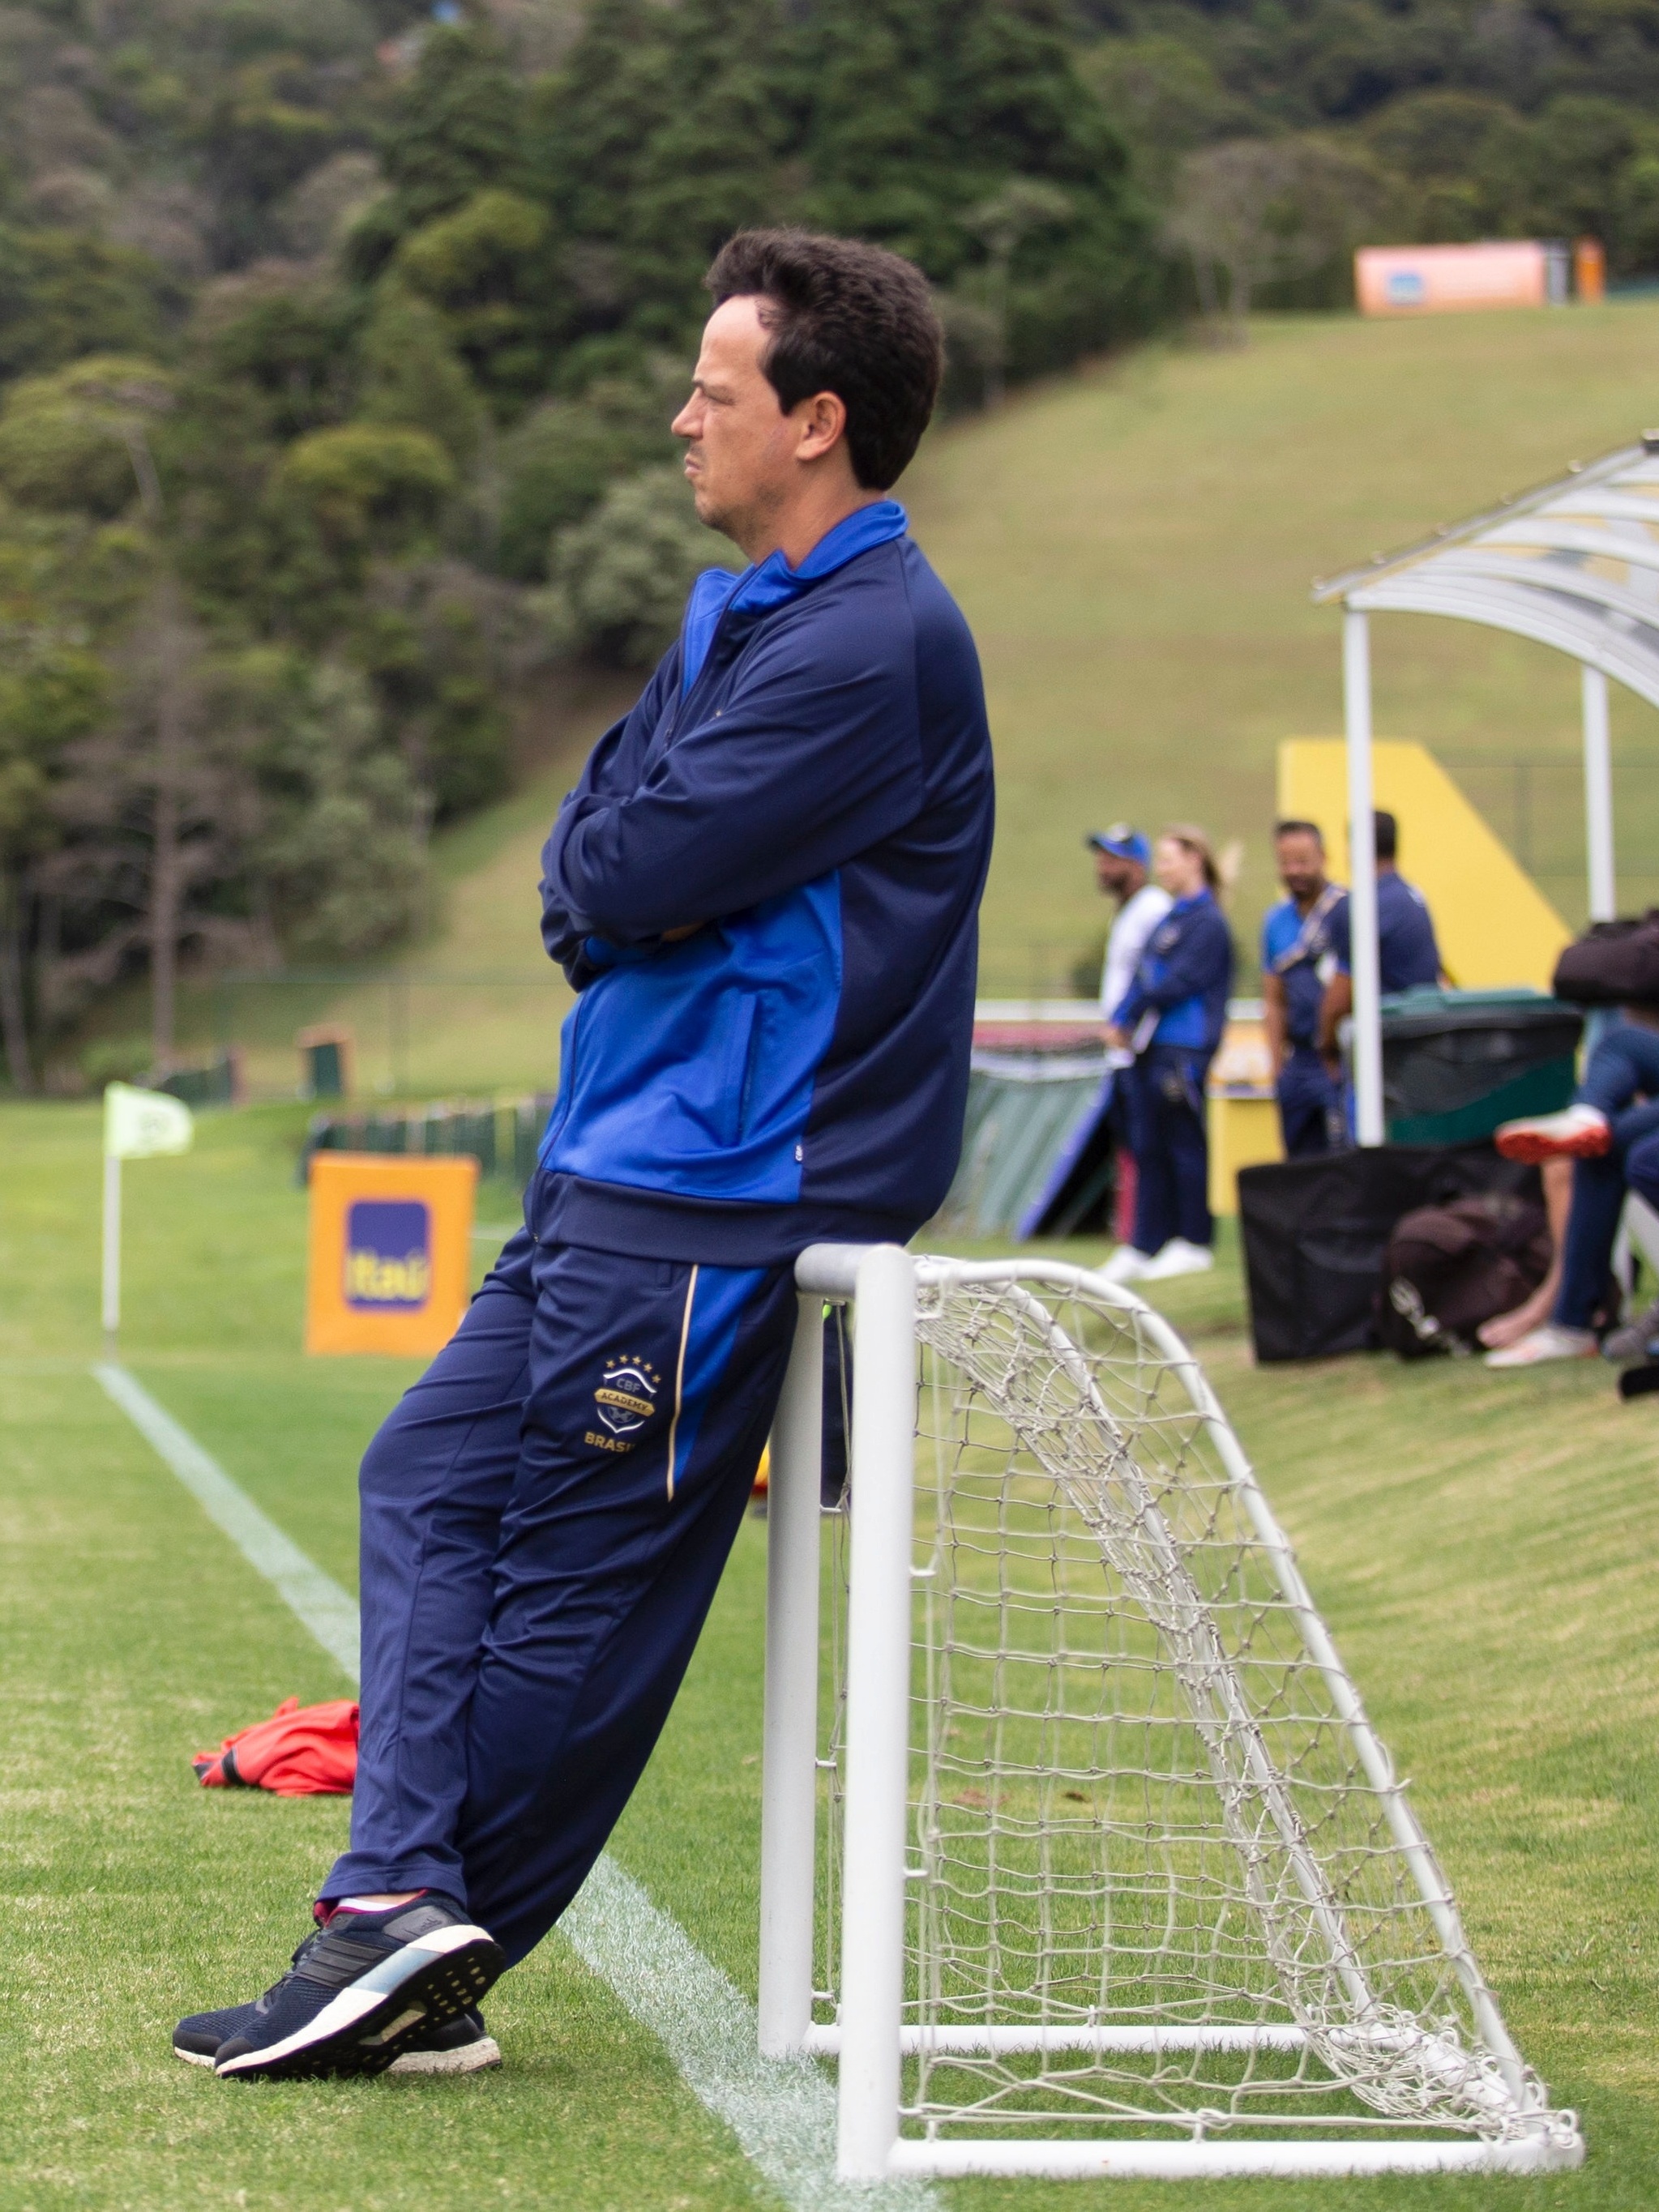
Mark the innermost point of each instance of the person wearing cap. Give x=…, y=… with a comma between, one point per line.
x=1123, y=864
x=1297, y=963
x=1171, y=1018
x=1123, y=860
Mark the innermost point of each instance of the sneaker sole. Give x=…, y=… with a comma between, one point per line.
x=362, y=2030
x=1531, y=1151
x=470, y=2058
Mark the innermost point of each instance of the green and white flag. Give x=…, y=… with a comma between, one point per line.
x=139, y=1124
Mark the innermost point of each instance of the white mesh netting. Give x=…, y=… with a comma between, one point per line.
x=1160, y=1874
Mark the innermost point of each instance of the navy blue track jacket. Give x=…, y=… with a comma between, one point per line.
x=808, y=776
x=1184, y=977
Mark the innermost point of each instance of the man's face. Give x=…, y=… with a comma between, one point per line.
x=1109, y=872
x=1302, y=866
x=1116, y=875
x=741, y=448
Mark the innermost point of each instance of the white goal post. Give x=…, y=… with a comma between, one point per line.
x=1125, y=1884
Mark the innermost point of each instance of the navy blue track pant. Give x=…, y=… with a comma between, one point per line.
x=1310, y=1109
x=545, y=1516
x=1171, y=1147
x=1622, y=1068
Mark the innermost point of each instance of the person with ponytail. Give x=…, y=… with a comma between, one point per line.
x=1171, y=1019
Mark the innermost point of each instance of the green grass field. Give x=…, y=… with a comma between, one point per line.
x=1480, y=1544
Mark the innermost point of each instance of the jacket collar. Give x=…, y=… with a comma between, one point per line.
x=773, y=583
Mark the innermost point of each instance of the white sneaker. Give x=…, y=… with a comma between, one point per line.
x=1550, y=1342
x=1577, y=1132
x=1178, y=1257
x=1126, y=1265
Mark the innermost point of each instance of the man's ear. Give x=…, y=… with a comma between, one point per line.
x=823, y=424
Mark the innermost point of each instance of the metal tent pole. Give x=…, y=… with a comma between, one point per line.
x=789, y=1775
x=1598, y=795
x=1361, y=880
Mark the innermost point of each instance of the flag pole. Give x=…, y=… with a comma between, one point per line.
x=112, y=1248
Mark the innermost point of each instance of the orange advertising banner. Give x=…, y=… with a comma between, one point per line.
x=1429, y=280
x=390, y=1252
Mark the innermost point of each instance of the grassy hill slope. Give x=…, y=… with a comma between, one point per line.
x=1133, y=549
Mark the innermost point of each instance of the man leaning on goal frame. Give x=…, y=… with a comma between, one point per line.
x=763, y=889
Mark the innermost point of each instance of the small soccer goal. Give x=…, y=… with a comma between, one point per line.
x=1090, y=1862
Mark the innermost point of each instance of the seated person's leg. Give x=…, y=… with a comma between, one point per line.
x=1624, y=1066
x=1511, y=1327
x=1598, y=1196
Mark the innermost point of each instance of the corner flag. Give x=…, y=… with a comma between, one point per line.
x=139, y=1125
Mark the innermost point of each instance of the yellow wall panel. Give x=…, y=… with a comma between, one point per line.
x=1494, y=926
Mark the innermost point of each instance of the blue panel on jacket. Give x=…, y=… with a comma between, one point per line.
x=691, y=1071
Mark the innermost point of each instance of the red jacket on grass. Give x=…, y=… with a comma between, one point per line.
x=301, y=1751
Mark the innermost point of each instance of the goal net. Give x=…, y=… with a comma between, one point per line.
x=1162, y=1906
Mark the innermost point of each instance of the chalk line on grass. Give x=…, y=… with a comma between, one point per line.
x=781, y=2112
x=329, y=1611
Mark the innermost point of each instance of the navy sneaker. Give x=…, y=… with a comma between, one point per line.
x=461, y=2046
x=357, y=1993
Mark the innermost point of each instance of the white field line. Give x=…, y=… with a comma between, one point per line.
x=781, y=2112
x=329, y=1611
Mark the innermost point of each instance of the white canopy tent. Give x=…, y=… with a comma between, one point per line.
x=1574, y=564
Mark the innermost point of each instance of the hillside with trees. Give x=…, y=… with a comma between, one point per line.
x=338, y=340
x=338, y=349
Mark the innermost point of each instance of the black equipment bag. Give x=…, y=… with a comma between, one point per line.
x=1315, y=1233
x=1614, y=963
x=1448, y=1268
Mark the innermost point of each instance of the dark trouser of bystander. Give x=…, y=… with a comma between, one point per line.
x=1310, y=1109
x=1172, y=1152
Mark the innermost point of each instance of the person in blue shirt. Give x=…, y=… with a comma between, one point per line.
x=763, y=890
x=1297, y=963
x=1171, y=1018
x=1408, y=957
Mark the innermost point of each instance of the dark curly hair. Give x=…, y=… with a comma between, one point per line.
x=845, y=318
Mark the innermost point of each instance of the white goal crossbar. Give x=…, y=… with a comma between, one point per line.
x=1494, y=2116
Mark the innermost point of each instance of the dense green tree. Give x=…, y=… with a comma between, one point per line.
x=458, y=128
x=556, y=464
x=620, y=578
x=336, y=853
x=63, y=293
x=412, y=374
x=260, y=134
x=486, y=268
